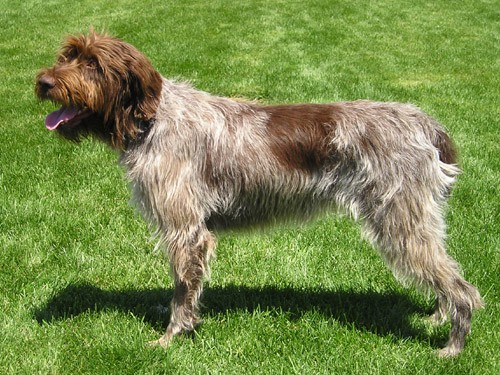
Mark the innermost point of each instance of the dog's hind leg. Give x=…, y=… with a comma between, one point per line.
x=410, y=235
x=440, y=314
x=189, y=254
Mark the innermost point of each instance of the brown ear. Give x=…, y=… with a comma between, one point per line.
x=145, y=85
x=137, y=98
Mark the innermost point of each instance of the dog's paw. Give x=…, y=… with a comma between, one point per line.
x=448, y=351
x=162, y=342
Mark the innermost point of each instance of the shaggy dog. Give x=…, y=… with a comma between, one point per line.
x=199, y=163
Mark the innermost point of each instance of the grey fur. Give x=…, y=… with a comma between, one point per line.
x=396, y=185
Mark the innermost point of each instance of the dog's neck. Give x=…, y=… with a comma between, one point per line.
x=144, y=128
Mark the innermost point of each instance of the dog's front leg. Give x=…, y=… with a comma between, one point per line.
x=189, y=255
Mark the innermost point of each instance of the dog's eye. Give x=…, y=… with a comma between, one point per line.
x=91, y=64
x=68, y=53
x=61, y=59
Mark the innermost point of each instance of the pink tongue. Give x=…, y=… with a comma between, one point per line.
x=63, y=114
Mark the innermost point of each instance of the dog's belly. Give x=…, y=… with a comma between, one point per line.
x=267, y=206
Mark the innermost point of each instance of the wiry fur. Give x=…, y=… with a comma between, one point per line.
x=198, y=163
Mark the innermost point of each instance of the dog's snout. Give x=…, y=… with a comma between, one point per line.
x=46, y=82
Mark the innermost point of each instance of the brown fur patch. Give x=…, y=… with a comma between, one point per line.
x=299, y=134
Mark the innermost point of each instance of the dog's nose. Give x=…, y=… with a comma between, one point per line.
x=46, y=82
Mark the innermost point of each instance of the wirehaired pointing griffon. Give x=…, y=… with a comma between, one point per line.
x=199, y=163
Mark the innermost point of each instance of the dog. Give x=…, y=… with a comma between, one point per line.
x=199, y=163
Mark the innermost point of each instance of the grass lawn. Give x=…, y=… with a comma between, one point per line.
x=81, y=289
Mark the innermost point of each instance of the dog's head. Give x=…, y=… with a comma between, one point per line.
x=105, y=87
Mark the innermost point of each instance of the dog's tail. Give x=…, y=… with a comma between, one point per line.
x=448, y=159
x=447, y=150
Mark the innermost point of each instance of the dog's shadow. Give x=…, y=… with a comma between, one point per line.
x=386, y=314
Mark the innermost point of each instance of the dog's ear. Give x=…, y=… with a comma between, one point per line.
x=145, y=87
x=137, y=98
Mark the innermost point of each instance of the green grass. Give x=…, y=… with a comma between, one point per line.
x=81, y=289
